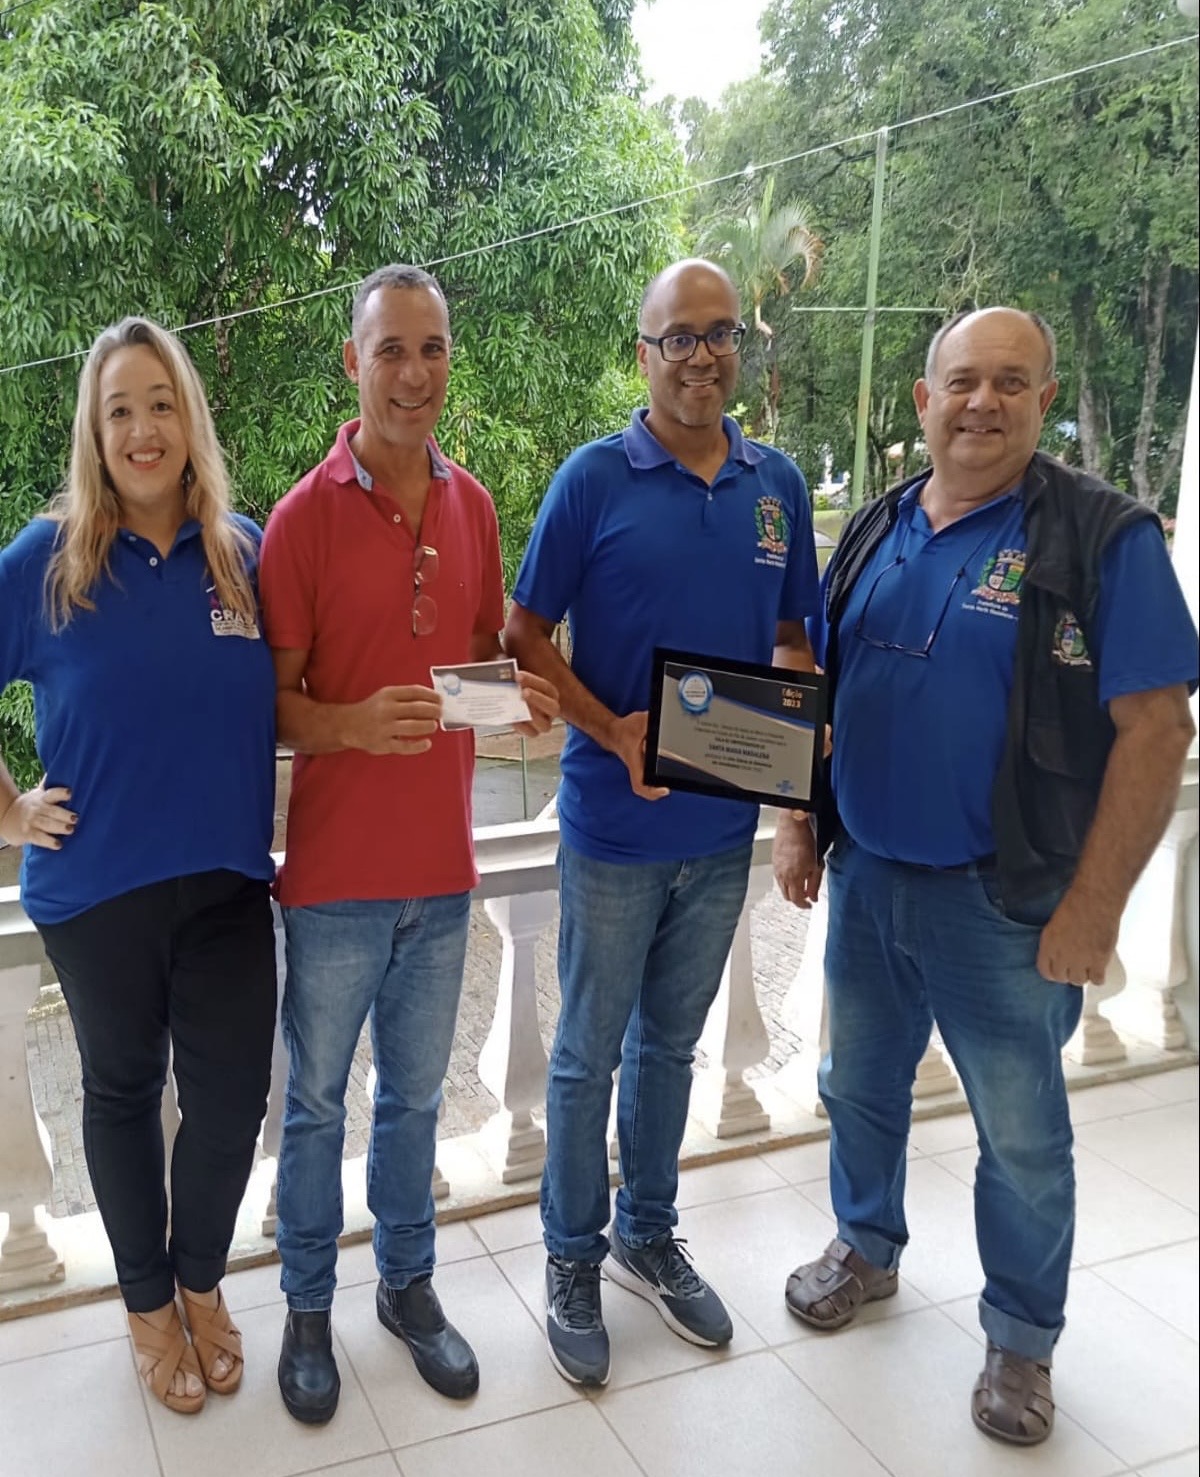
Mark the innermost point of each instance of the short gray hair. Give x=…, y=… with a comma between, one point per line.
x=1036, y=319
x=394, y=276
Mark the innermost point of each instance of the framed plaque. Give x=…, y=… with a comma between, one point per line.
x=739, y=730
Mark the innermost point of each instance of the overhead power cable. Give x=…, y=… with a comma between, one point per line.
x=689, y=189
x=12, y=9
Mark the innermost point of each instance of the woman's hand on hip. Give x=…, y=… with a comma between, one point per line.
x=39, y=817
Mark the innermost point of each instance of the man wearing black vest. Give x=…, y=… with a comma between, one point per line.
x=1009, y=657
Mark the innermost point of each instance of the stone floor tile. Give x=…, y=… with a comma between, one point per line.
x=726, y=1181
x=1161, y=1148
x=903, y=1386
x=572, y=1438
x=76, y=1412
x=1109, y=1100
x=719, y=1420
x=520, y=1226
x=383, y=1465
x=1180, y=1086
x=800, y=1163
x=257, y=1287
x=71, y=1328
x=1165, y=1281
x=1184, y=1464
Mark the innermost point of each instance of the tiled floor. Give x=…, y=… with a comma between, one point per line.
x=888, y=1395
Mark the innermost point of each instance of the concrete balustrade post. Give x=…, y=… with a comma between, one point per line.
x=934, y=1072
x=1153, y=945
x=734, y=1037
x=272, y=1129
x=1095, y=1042
x=27, y=1258
x=512, y=1061
x=805, y=1014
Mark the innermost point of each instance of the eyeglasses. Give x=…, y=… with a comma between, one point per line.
x=678, y=347
x=424, y=608
x=883, y=645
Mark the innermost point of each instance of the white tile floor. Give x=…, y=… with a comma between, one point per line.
x=888, y=1395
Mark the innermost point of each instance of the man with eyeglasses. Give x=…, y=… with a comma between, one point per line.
x=676, y=531
x=381, y=562
x=1009, y=657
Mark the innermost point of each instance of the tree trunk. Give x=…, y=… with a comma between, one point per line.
x=1088, y=420
x=1156, y=283
x=1168, y=469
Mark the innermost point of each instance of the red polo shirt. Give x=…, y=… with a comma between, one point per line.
x=336, y=581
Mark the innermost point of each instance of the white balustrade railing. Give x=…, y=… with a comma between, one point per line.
x=734, y=1037
x=1156, y=962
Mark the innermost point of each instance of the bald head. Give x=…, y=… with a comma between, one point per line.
x=1034, y=322
x=678, y=279
x=692, y=305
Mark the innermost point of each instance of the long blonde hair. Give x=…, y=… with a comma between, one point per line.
x=88, y=511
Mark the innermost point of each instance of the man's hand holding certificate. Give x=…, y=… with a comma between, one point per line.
x=480, y=695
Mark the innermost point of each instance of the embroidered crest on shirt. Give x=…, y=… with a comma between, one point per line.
x=1069, y=649
x=1001, y=576
x=771, y=525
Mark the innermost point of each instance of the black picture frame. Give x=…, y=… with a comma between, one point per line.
x=789, y=722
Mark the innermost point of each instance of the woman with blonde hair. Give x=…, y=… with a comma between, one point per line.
x=131, y=607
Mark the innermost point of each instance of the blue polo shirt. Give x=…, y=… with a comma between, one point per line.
x=918, y=739
x=156, y=710
x=639, y=552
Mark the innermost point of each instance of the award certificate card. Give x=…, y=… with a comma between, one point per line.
x=480, y=695
x=737, y=730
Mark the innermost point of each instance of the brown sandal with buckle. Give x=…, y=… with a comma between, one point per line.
x=1012, y=1400
x=214, y=1333
x=827, y=1293
x=172, y=1354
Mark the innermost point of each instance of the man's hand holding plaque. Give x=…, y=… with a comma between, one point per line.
x=735, y=729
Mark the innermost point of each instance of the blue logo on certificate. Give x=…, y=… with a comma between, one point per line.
x=695, y=692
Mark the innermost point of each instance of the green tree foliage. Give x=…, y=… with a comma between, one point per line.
x=1077, y=200
x=198, y=161
x=193, y=161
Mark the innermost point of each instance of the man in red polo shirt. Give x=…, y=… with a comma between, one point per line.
x=380, y=563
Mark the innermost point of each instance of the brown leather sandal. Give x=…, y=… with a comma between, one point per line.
x=172, y=1354
x=1012, y=1399
x=827, y=1293
x=213, y=1333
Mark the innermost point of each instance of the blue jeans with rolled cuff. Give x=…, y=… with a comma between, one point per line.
x=909, y=946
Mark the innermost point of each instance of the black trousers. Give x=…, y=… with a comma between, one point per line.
x=189, y=963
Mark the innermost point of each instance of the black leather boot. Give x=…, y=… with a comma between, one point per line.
x=442, y=1356
x=308, y=1378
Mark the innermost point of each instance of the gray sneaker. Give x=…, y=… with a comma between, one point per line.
x=575, y=1331
x=662, y=1273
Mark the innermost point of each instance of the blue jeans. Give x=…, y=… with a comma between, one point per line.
x=400, y=962
x=641, y=948
x=909, y=946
